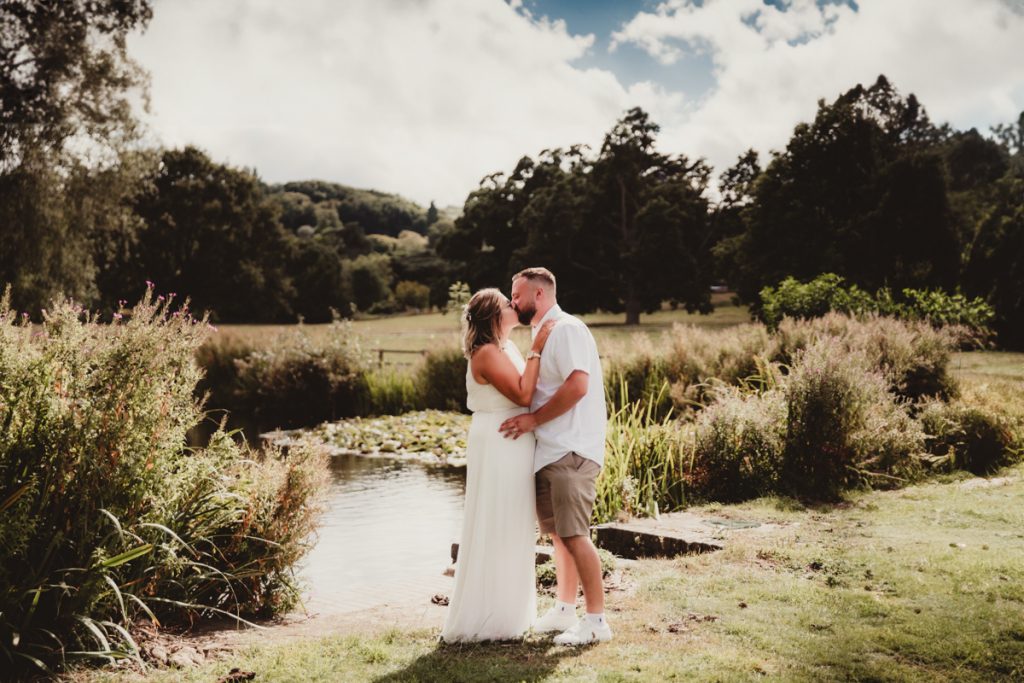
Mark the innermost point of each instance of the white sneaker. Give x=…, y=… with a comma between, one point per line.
x=584, y=633
x=555, y=620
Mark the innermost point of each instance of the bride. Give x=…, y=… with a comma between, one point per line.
x=495, y=586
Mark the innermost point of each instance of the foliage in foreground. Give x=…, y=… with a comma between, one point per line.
x=105, y=515
x=923, y=584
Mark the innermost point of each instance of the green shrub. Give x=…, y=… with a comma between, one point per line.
x=843, y=426
x=219, y=385
x=700, y=359
x=913, y=356
x=412, y=295
x=738, y=446
x=441, y=380
x=825, y=293
x=105, y=515
x=298, y=381
x=392, y=392
x=980, y=432
x=971, y=319
x=638, y=372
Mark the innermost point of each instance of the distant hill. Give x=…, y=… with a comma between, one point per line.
x=375, y=212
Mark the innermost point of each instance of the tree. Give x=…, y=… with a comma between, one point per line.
x=211, y=236
x=45, y=254
x=729, y=219
x=995, y=262
x=65, y=72
x=861, y=192
x=480, y=245
x=371, y=280
x=322, y=285
x=649, y=210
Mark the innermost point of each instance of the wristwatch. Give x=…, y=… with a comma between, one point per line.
x=532, y=354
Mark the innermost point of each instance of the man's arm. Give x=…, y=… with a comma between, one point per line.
x=569, y=394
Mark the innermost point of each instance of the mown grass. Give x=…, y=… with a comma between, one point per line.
x=921, y=584
x=435, y=330
x=988, y=365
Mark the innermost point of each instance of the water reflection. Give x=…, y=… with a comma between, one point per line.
x=387, y=522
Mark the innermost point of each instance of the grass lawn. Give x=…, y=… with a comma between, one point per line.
x=996, y=365
x=433, y=330
x=920, y=584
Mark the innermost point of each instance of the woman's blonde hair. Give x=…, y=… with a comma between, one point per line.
x=481, y=320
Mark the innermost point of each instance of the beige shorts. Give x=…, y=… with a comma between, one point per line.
x=566, y=490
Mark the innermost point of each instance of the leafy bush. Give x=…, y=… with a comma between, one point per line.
x=412, y=295
x=219, y=385
x=699, y=359
x=298, y=381
x=105, y=515
x=843, y=426
x=441, y=380
x=913, y=356
x=980, y=432
x=638, y=372
x=738, y=446
x=392, y=392
x=827, y=293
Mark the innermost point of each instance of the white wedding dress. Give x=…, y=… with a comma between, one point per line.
x=495, y=594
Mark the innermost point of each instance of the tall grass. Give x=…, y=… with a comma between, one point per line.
x=105, y=515
x=645, y=466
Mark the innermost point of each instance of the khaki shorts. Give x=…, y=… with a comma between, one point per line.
x=565, y=495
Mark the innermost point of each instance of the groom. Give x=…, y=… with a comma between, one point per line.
x=568, y=417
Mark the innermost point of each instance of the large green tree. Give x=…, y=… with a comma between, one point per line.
x=862, y=192
x=650, y=210
x=211, y=235
x=623, y=231
x=65, y=72
x=64, y=76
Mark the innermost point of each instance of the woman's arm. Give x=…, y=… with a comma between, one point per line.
x=490, y=363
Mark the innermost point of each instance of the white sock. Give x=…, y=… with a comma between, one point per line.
x=565, y=607
x=596, y=619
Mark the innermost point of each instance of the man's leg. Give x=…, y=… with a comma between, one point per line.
x=566, y=576
x=587, y=568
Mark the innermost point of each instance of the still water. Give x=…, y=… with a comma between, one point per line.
x=388, y=525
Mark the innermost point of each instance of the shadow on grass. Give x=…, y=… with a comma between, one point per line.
x=528, y=660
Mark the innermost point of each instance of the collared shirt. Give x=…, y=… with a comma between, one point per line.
x=581, y=429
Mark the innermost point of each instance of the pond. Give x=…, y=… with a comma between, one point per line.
x=387, y=530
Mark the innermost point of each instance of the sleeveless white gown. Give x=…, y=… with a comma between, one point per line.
x=495, y=594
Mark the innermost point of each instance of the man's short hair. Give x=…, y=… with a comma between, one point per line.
x=537, y=275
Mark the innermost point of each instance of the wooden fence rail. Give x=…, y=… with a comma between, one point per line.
x=381, y=352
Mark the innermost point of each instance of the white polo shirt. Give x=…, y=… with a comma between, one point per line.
x=570, y=347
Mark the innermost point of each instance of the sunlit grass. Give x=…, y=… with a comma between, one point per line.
x=921, y=584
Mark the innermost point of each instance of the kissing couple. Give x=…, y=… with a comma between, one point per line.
x=535, y=447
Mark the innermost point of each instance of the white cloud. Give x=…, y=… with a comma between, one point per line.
x=420, y=97
x=962, y=58
x=424, y=97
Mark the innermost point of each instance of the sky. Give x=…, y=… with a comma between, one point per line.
x=426, y=97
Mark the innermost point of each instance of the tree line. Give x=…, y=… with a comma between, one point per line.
x=871, y=190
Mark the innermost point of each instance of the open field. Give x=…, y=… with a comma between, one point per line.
x=434, y=330
x=994, y=365
x=921, y=584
